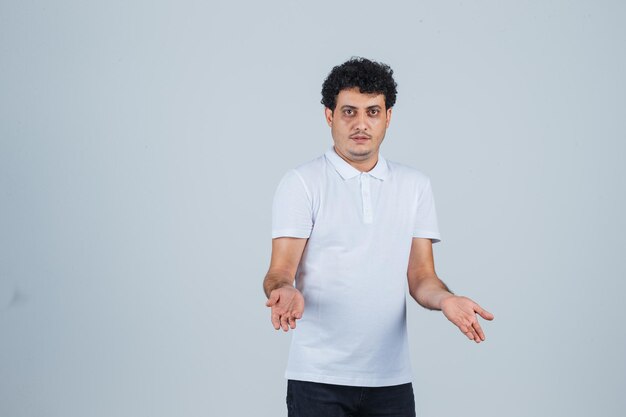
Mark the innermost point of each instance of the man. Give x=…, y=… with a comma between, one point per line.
x=352, y=228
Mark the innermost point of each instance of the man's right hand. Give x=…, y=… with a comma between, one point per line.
x=287, y=305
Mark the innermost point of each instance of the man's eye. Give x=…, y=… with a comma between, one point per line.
x=373, y=112
x=348, y=112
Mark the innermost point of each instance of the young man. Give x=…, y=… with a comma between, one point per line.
x=351, y=227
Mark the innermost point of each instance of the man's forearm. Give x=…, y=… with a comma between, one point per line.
x=276, y=279
x=429, y=291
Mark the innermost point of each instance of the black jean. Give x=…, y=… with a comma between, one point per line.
x=313, y=399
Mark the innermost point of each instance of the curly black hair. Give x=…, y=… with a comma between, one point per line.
x=368, y=76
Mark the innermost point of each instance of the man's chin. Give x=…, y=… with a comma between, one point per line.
x=360, y=153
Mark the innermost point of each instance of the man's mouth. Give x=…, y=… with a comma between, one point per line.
x=359, y=138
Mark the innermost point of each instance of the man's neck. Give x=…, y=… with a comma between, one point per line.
x=361, y=166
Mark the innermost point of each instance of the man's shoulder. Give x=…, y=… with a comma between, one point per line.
x=406, y=172
x=310, y=169
x=306, y=173
x=314, y=164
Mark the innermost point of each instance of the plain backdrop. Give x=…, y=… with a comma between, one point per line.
x=141, y=143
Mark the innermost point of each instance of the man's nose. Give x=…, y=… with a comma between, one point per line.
x=361, y=121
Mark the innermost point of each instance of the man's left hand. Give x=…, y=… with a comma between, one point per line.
x=462, y=312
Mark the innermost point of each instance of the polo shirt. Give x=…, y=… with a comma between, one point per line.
x=353, y=270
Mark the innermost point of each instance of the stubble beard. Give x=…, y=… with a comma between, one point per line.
x=360, y=155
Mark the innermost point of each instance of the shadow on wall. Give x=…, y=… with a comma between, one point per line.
x=11, y=297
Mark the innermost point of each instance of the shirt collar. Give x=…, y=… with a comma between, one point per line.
x=347, y=171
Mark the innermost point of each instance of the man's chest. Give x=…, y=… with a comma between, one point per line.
x=363, y=209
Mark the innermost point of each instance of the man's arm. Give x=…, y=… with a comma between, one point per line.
x=285, y=300
x=432, y=293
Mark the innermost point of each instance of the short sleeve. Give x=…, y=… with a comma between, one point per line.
x=292, y=208
x=426, y=217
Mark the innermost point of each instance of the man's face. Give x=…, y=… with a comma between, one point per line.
x=358, y=124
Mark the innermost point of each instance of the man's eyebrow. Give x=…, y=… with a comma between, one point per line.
x=348, y=106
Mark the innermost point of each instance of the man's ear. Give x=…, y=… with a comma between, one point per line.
x=329, y=116
x=388, y=117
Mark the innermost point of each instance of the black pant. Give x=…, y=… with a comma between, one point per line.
x=313, y=399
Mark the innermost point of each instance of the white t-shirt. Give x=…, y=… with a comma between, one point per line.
x=353, y=271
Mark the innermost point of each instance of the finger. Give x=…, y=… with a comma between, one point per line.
x=284, y=322
x=479, y=331
x=476, y=337
x=484, y=313
x=470, y=333
x=292, y=322
x=275, y=320
x=273, y=298
x=467, y=331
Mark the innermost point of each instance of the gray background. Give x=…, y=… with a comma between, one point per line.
x=141, y=144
